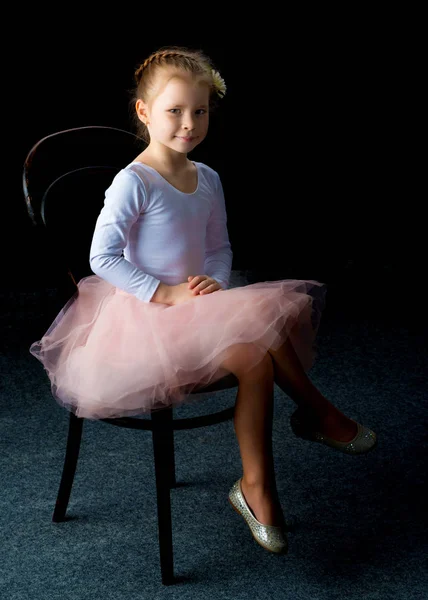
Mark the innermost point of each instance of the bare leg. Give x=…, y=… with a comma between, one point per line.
x=293, y=380
x=253, y=427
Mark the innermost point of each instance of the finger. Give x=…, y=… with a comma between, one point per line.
x=215, y=287
x=210, y=288
x=197, y=281
x=203, y=284
x=193, y=280
x=198, y=288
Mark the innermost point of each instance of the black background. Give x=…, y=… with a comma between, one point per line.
x=315, y=141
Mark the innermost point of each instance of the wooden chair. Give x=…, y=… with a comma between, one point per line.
x=65, y=176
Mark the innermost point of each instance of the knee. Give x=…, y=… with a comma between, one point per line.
x=262, y=370
x=247, y=360
x=265, y=366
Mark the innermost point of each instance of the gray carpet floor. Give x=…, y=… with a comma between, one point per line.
x=358, y=523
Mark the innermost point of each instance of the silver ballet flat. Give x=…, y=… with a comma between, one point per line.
x=271, y=537
x=364, y=441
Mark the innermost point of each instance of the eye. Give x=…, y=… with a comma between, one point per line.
x=174, y=111
x=201, y=111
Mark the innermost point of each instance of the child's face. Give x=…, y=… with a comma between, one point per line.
x=177, y=117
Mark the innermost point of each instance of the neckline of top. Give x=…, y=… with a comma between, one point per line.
x=138, y=162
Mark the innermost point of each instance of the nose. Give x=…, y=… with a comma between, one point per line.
x=189, y=122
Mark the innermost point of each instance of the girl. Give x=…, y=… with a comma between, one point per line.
x=157, y=321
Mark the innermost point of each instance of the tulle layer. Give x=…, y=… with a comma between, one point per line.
x=107, y=354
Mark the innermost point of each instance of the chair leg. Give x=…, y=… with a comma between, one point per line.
x=169, y=446
x=69, y=469
x=162, y=458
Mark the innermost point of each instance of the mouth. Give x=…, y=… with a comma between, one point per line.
x=185, y=138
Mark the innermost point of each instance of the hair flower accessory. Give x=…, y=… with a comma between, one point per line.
x=219, y=84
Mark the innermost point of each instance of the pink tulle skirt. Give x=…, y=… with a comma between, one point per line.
x=108, y=354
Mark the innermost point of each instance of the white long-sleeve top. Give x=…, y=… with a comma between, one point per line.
x=149, y=232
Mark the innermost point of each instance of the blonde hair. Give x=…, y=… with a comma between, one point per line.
x=195, y=62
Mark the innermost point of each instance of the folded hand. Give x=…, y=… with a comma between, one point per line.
x=202, y=284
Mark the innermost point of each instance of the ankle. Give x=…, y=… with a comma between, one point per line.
x=319, y=414
x=263, y=501
x=257, y=482
x=261, y=491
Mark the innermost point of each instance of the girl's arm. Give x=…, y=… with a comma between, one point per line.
x=122, y=207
